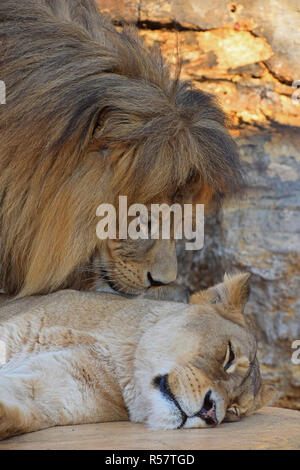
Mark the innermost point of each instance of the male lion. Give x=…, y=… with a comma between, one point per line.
x=91, y=114
x=76, y=357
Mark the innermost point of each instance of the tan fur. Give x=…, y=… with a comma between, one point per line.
x=91, y=114
x=75, y=357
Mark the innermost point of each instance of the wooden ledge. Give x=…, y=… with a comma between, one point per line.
x=270, y=428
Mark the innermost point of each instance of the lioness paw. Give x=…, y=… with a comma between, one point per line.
x=233, y=414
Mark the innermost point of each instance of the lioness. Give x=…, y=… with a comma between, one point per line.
x=76, y=357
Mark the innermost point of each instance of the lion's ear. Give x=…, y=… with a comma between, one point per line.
x=232, y=294
x=203, y=195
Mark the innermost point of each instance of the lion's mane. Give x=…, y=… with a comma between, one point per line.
x=76, y=86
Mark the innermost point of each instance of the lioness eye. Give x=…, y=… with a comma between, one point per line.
x=230, y=356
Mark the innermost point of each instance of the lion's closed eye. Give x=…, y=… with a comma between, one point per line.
x=229, y=358
x=235, y=360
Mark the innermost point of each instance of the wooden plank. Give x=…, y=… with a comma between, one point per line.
x=270, y=428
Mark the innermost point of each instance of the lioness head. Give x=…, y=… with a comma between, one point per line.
x=199, y=367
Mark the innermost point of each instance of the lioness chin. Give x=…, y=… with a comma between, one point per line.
x=75, y=357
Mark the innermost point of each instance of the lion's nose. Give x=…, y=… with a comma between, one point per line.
x=163, y=270
x=208, y=410
x=154, y=282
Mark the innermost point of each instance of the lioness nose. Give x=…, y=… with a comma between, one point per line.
x=208, y=410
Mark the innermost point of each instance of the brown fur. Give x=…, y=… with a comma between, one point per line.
x=91, y=114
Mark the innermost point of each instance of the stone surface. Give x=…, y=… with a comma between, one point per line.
x=248, y=54
x=270, y=428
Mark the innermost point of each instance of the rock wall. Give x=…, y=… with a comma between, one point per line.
x=248, y=54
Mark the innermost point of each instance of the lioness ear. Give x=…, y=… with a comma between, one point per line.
x=232, y=294
x=237, y=290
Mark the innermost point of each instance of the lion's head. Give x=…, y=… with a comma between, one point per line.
x=197, y=367
x=97, y=115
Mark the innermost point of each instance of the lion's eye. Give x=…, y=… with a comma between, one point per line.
x=230, y=357
x=104, y=149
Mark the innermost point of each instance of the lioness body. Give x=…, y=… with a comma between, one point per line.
x=75, y=357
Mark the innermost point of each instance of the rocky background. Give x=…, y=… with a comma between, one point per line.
x=248, y=54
